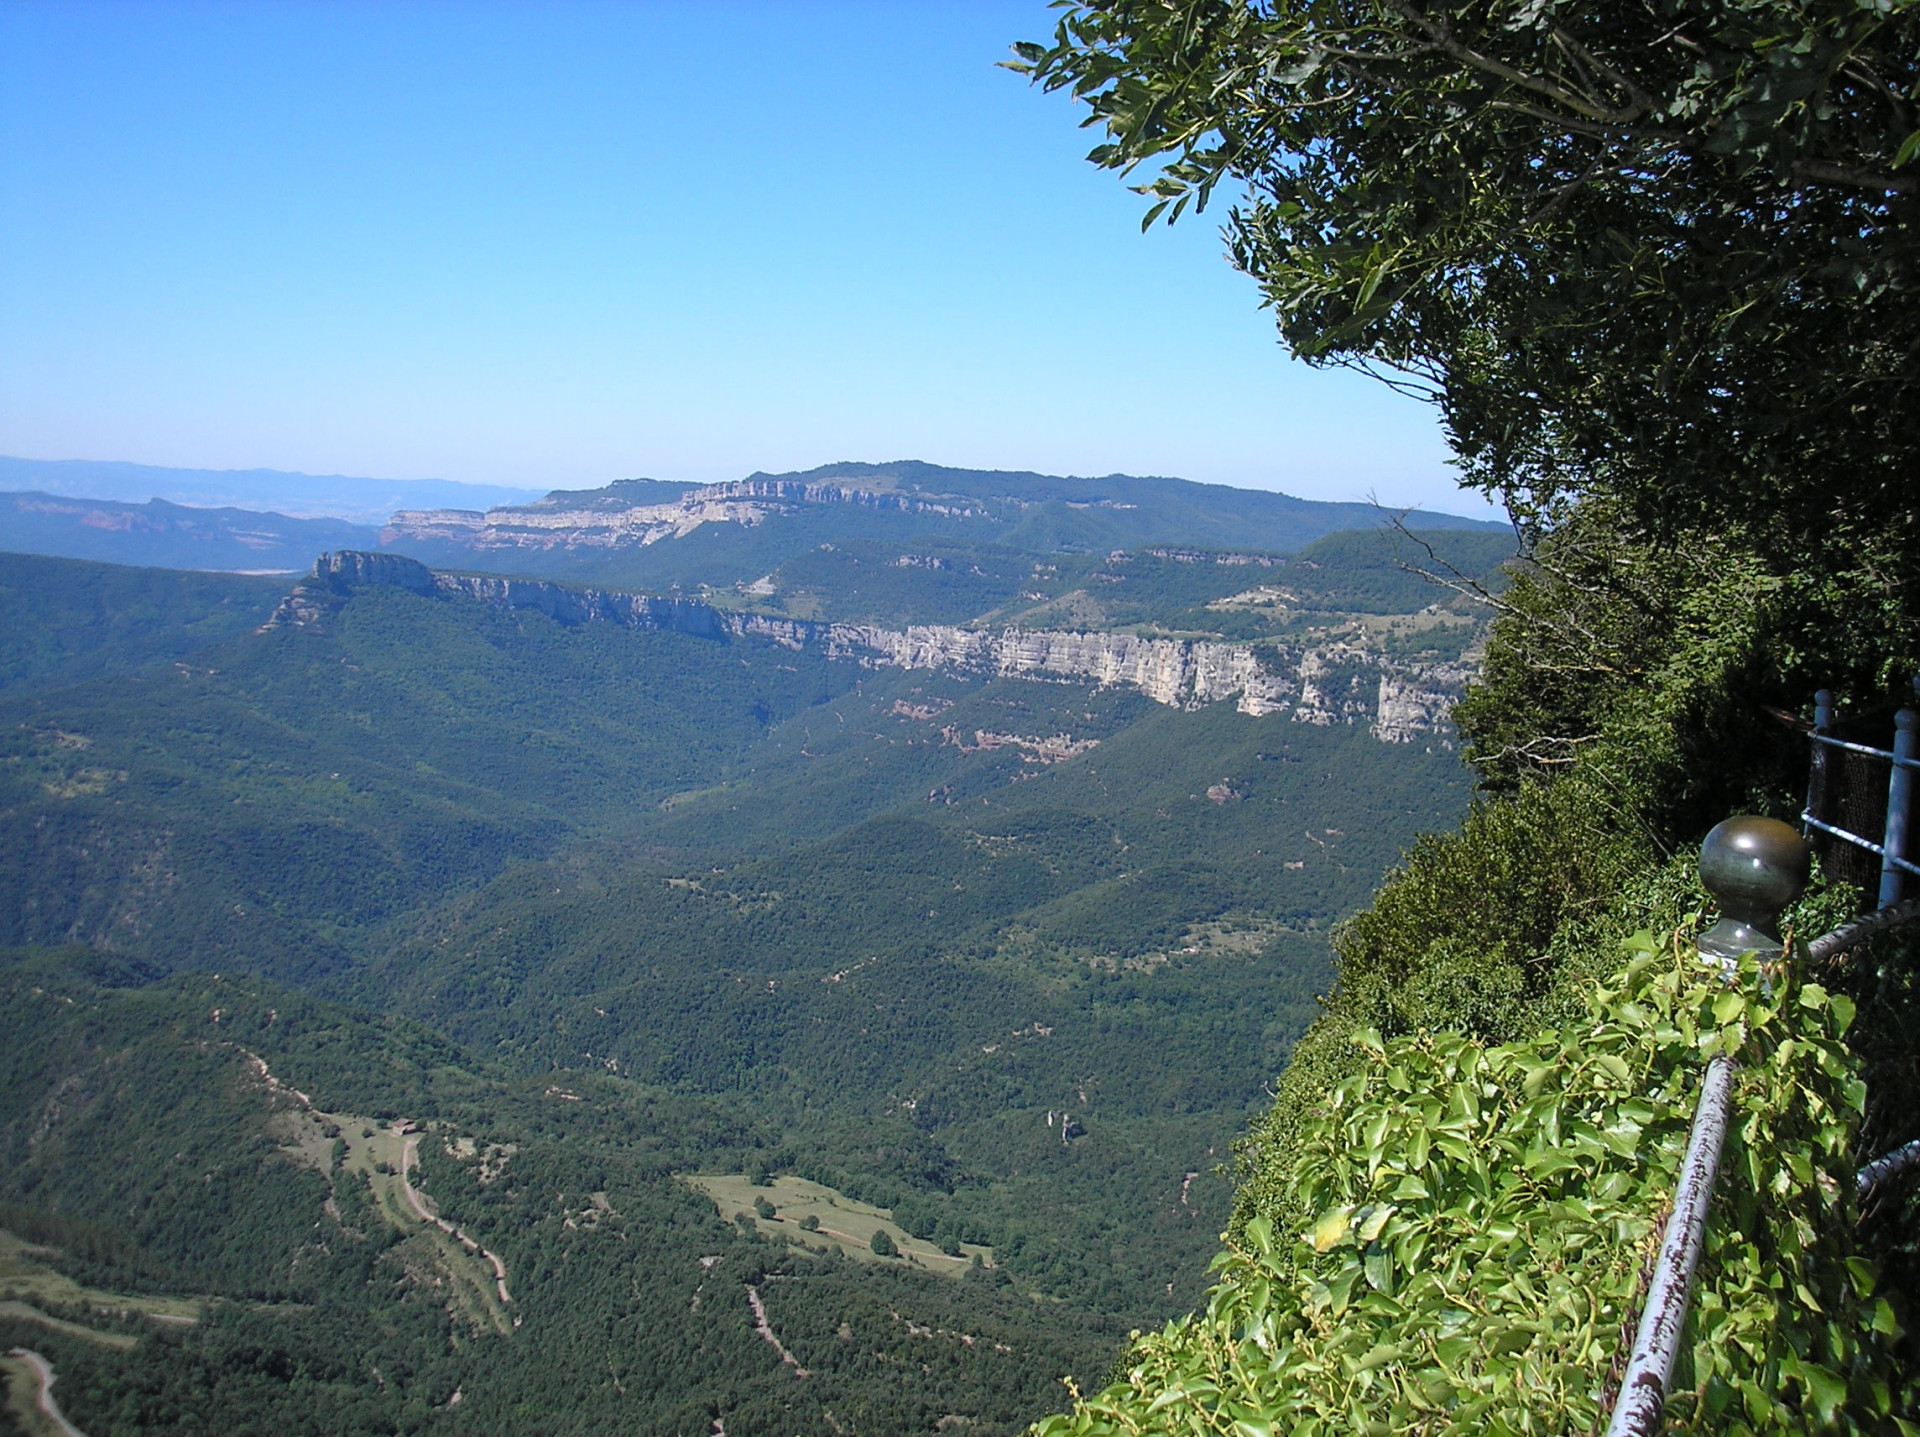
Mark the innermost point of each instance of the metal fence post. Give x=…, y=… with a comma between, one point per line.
x=1640, y=1408
x=1906, y=746
x=1817, y=772
x=1754, y=868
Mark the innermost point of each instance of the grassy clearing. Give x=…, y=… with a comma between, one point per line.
x=26, y=1278
x=23, y=1390
x=845, y=1225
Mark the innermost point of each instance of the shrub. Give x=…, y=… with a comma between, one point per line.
x=1483, y=1214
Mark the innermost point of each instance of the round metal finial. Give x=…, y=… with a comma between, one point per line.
x=1754, y=867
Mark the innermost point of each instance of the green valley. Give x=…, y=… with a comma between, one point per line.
x=754, y=962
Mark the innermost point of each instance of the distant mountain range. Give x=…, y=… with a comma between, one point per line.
x=165, y=535
x=651, y=533
x=304, y=496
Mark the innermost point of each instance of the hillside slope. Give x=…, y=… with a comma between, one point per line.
x=260, y=1161
x=63, y=621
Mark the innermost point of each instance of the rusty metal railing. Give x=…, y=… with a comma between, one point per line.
x=1750, y=865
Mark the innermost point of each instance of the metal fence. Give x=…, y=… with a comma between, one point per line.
x=1829, y=752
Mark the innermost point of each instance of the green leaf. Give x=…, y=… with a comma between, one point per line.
x=1826, y=1389
x=1376, y=1221
x=1378, y=1265
x=1259, y=1231
x=1884, y=1322
x=1379, y=1356
x=1331, y=1229
x=1843, y=1011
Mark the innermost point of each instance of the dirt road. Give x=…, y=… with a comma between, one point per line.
x=43, y=1373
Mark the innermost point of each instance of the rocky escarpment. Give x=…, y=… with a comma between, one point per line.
x=1330, y=681
x=577, y=521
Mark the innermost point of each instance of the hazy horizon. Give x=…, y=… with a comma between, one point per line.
x=195, y=487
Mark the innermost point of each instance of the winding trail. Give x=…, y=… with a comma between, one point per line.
x=765, y=1329
x=43, y=1372
x=424, y=1206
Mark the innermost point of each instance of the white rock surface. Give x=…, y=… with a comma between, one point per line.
x=1334, y=681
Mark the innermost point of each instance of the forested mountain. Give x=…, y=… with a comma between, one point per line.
x=998, y=936
x=62, y=621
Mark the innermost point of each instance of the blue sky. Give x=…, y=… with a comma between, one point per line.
x=561, y=244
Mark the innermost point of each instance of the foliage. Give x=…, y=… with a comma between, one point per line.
x=1665, y=671
x=1481, y=1217
x=1663, y=252
x=1655, y=266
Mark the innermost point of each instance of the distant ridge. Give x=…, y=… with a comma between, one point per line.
x=623, y=533
x=295, y=495
x=164, y=535
x=648, y=533
x=1222, y=502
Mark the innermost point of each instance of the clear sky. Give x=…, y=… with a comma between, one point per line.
x=557, y=244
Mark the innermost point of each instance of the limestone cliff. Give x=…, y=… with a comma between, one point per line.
x=1331, y=681
x=575, y=521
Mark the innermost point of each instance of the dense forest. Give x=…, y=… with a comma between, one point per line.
x=142, y=1107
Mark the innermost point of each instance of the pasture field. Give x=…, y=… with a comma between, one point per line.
x=26, y=1281
x=845, y=1224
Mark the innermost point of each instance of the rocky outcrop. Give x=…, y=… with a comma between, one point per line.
x=1332, y=681
x=337, y=574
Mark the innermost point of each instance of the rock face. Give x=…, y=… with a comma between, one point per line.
x=1337, y=681
x=337, y=574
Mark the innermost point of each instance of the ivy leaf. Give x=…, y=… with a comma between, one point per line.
x=1378, y=1265
x=1826, y=1389
x=1376, y=1221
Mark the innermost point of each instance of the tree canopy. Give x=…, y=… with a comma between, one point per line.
x=1661, y=249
